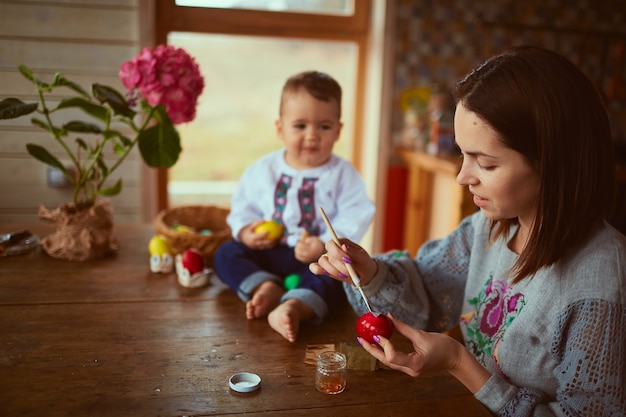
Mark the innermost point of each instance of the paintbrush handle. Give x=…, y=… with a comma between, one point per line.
x=353, y=275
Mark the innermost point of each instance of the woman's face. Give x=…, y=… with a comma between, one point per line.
x=504, y=185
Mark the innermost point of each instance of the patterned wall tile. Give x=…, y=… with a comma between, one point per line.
x=438, y=41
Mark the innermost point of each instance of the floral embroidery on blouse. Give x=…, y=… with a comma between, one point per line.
x=496, y=306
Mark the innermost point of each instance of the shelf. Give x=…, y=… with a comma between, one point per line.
x=435, y=203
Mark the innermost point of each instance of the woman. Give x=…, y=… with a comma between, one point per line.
x=536, y=279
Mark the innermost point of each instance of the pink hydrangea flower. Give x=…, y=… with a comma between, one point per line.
x=165, y=75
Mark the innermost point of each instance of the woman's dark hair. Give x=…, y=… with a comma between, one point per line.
x=318, y=84
x=543, y=107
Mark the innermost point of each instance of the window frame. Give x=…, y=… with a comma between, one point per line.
x=169, y=17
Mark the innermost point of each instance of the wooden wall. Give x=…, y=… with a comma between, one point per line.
x=87, y=41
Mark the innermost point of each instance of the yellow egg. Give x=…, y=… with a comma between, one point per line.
x=159, y=245
x=274, y=229
x=181, y=228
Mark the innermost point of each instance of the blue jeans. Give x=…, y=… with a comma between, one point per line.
x=243, y=269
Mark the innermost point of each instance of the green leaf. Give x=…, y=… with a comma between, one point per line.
x=40, y=153
x=57, y=80
x=159, y=145
x=162, y=115
x=103, y=167
x=27, y=73
x=118, y=149
x=81, y=143
x=83, y=127
x=88, y=107
x=111, y=191
x=125, y=141
x=113, y=98
x=53, y=130
x=60, y=81
x=11, y=108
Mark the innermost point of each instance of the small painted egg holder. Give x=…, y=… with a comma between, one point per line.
x=161, y=260
x=191, y=271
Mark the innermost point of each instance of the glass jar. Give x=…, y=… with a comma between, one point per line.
x=331, y=372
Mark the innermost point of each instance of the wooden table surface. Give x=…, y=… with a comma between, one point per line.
x=110, y=338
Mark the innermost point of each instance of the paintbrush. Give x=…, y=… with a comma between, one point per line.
x=355, y=278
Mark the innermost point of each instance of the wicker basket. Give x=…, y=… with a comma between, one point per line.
x=198, y=218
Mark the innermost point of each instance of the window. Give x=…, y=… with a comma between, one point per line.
x=245, y=56
x=336, y=7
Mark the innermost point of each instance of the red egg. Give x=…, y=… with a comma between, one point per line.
x=372, y=324
x=193, y=261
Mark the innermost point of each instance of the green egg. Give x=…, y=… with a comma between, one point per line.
x=292, y=281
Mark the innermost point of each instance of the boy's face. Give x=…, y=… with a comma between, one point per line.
x=309, y=127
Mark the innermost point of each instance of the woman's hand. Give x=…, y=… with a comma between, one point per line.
x=253, y=240
x=432, y=351
x=332, y=263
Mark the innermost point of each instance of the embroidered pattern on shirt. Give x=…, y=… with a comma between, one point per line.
x=280, y=200
x=496, y=306
x=306, y=198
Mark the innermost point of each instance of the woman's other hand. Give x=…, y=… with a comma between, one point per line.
x=432, y=351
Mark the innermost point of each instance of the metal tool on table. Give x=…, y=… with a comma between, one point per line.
x=353, y=275
x=17, y=243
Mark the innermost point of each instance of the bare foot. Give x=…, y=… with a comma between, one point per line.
x=286, y=318
x=264, y=299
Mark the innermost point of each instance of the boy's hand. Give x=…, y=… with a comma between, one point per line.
x=253, y=240
x=309, y=248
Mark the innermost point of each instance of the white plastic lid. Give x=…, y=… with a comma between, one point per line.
x=244, y=382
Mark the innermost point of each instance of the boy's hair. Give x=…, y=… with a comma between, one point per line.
x=318, y=84
x=546, y=109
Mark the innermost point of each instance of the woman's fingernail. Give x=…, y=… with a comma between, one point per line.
x=358, y=339
x=376, y=339
x=325, y=272
x=345, y=247
x=346, y=260
x=342, y=275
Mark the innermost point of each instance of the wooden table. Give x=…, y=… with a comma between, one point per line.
x=110, y=338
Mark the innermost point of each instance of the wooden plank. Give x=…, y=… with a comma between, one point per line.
x=129, y=4
x=66, y=57
x=417, y=212
x=70, y=22
x=23, y=188
x=445, y=205
x=121, y=215
x=57, y=118
x=13, y=144
x=19, y=173
x=34, y=196
x=13, y=84
x=29, y=215
x=21, y=204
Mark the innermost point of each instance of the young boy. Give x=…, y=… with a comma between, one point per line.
x=288, y=187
